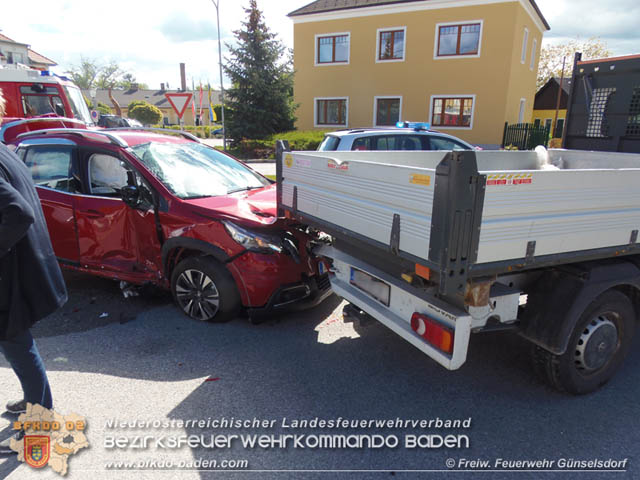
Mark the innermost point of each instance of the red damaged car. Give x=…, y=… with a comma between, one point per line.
x=142, y=207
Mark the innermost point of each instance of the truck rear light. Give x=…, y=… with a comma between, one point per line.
x=433, y=332
x=422, y=271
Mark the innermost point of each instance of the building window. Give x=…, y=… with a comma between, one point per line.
x=597, y=125
x=547, y=124
x=525, y=40
x=331, y=111
x=462, y=39
x=534, y=47
x=559, y=128
x=633, y=123
x=391, y=44
x=332, y=48
x=452, y=112
x=536, y=122
x=387, y=110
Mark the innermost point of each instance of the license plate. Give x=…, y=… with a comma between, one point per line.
x=371, y=285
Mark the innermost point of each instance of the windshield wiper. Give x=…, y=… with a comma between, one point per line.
x=195, y=197
x=243, y=189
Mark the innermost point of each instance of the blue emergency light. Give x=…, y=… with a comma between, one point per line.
x=45, y=73
x=415, y=125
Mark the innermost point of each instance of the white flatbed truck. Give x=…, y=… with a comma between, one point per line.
x=439, y=245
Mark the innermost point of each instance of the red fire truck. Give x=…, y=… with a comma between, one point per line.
x=33, y=93
x=48, y=100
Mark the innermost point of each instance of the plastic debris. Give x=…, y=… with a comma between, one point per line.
x=104, y=315
x=129, y=290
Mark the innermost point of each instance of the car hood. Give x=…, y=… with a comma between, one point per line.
x=251, y=207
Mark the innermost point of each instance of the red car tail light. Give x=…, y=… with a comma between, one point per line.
x=433, y=332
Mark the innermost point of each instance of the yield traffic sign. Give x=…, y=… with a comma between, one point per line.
x=179, y=102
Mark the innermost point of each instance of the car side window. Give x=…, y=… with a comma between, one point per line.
x=384, y=142
x=108, y=175
x=51, y=167
x=408, y=142
x=446, y=144
x=363, y=143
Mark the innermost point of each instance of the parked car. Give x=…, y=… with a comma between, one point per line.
x=147, y=208
x=409, y=137
x=115, y=121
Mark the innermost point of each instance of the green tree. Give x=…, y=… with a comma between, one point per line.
x=551, y=57
x=102, y=108
x=134, y=104
x=145, y=113
x=228, y=113
x=128, y=81
x=85, y=73
x=90, y=73
x=109, y=76
x=261, y=72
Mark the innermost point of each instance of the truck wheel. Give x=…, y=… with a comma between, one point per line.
x=205, y=290
x=599, y=343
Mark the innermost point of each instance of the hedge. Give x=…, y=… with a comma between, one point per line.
x=298, y=140
x=204, y=131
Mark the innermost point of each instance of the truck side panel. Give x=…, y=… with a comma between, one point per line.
x=364, y=196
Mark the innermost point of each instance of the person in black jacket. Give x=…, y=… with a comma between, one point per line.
x=31, y=284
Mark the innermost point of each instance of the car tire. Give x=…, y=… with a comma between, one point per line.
x=597, y=347
x=204, y=290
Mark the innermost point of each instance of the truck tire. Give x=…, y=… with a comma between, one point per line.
x=597, y=347
x=204, y=290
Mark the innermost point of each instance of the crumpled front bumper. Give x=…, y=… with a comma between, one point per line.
x=296, y=296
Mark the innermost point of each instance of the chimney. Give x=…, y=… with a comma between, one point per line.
x=183, y=77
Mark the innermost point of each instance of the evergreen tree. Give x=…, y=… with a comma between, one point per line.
x=261, y=73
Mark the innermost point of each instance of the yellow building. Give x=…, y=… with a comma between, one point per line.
x=464, y=66
x=546, y=101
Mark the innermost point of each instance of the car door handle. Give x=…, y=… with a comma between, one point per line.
x=92, y=213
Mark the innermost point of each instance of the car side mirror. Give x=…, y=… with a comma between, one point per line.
x=130, y=195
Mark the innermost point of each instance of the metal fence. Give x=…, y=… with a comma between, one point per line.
x=525, y=136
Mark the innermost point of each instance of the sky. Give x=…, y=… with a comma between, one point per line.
x=150, y=38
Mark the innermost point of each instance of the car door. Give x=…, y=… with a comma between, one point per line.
x=113, y=237
x=54, y=171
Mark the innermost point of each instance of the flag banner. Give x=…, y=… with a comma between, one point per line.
x=212, y=112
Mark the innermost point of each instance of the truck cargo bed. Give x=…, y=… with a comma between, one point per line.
x=480, y=211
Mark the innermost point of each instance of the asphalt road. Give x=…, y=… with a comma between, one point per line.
x=145, y=361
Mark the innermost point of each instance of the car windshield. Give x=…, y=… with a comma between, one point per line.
x=193, y=170
x=329, y=143
x=78, y=105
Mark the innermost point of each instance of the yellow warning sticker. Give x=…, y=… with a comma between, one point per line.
x=288, y=160
x=419, y=179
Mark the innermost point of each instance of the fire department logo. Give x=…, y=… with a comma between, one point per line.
x=36, y=450
x=50, y=438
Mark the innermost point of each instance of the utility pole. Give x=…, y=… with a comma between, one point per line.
x=216, y=3
x=555, y=120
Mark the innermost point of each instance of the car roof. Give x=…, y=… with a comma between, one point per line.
x=371, y=131
x=122, y=137
x=386, y=130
